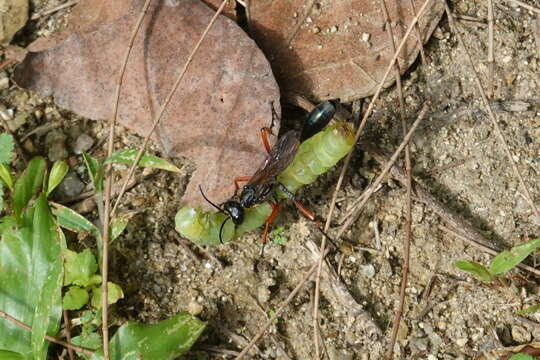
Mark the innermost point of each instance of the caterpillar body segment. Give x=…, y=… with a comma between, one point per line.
x=203, y=227
x=316, y=156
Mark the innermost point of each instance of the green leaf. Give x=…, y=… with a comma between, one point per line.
x=79, y=268
x=10, y=355
x=5, y=175
x=28, y=185
x=528, y=310
x=166, y=340
x=6, y=148
x=119, y=223
x=522, y=357
x=474, y=268
x=58, y=171
x=48, y=271
x=507, y=260
x=96, y=172
x=30, y=280
x=75, y=298
x=115, y=294
x=1, y=197
x=90, y=341
x=127, y=156
x=73, y=221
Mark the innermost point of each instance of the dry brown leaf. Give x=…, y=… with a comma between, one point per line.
x=341, y=50
x=214, y=117
x=229, y=10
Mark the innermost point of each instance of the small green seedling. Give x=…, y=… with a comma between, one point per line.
x=277, y=236
x=521, y=356
x=501, y=263
x=37, y=267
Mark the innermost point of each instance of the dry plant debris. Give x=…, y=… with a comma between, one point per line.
x=335, y=49
x=214, y=116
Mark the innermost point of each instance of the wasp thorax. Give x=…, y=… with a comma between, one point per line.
x=248, y=196
x=235, y=211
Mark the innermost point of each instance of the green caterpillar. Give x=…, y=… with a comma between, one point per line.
x=314, y=157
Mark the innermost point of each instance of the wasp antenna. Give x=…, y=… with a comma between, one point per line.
x=211, y=203
x=221, y=230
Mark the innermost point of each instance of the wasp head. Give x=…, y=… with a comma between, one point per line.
x=235, y=211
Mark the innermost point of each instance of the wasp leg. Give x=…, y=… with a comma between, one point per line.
x=265, y=131
x=275, y=211
x=306, y=213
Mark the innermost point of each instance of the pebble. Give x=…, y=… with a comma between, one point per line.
x=55, y=142
x=461, y=342
x=83, y=143
x=70, y=186
x=367, y=270
x=419, y=344
x=194, y=308
x=521, y=335
x=365, y=37
x=263, y=294
x=4, y=82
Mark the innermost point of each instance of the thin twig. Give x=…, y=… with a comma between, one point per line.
x=491, y=115
x=54, y=9
x=408, y=206
x=419, y=36
x=165, y=104
x=489, y=250
x=348, y=159
x=47, y=337
x=526, y=6
x=67, y=326
x=274, y=340
x=490, y=59
x=4, y=117
x=358, y=205
x=279, y=310
x=108, y=186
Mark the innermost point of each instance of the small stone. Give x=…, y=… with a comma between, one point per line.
x=194, y=308
x=365, y=37
x=55, y=141
x=461, y=342
x=334, y=29
x=367, y=270
x=521, y=335
x=29, y=146
x=4, y=82
x=316, y=30
x=83, y=143
x=263, y=294
x=418, y=344
x=13, y=16
x=70, y=187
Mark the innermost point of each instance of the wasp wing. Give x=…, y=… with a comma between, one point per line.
x=279, y=158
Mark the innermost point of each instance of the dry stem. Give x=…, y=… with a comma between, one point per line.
x=47, y=337
x=108, y=186
x=408, y=221
x=490, y=59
